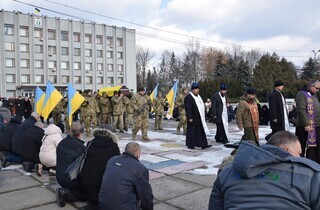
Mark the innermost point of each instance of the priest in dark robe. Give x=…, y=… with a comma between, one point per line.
x=196, y=124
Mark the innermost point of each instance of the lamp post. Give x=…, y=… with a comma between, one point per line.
x=315, y=55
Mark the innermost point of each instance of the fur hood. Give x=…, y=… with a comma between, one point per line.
x=105, y=133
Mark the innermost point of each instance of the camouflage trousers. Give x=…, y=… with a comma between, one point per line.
x=99, y=119
x=90, y=120
x=105, y=118
x=128, y=121
x=118, y=122
x=182, y=124
x=56, y=117
x=158, y=122
x=140, y=122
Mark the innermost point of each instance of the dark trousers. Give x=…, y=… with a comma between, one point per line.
x=312, y=153
x=221, y=134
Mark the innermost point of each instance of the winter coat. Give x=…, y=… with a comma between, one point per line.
x=267, y=177
x=302, y=117
x=276, y=110
x=117, y=104
x=30, y=146
x=125, y=181
x=217, y=107
x=19, y=134
x=103, y=147
x=48, y=150
x=19, y=104
x=2, y=125
x=68, y=150
x=27, y=109
x=243, y=116
x=7, y=134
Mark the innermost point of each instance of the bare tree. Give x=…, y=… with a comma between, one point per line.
x=253, y=57
x=143, y=56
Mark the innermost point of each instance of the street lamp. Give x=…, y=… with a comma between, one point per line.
x=315, y=55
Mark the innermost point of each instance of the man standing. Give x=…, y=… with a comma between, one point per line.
x=220, y=114
x=158, y=106
x=89, y=112
x=106, y=109
x=278, y=112
x=117, y=110
x=248, y=116
x=308, y=121
x=182, y=112
x=197, y=126
x=125, y=183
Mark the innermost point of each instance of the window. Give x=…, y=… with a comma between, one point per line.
x=119, y=42
x=24, y=31
x=76, y=52
x=99, y=80
x=120, y=80
x=76, y=37
x=88, y=53
x=38, y=48
x=8, y=30
x=39, y=79
x=53, y=79
x=89, y=80
x=99, y=54
x=24, y=63
x=99, y=66
x=52, y=50
x=77, y=79
x=64, y=65
x=38, y=33
x=9, y=46
x=64, y=36
x=87, y=38
x=109, y=41
x=52, y=65
x=109, y=54
x=110, y=67
x=76, y=65
x=120, y=68
x=38, y=64
x=51, y=34
x=119, y=55
x=25, y=78
x=10, y=62
x=10, y=78
x=110, y=81
x=64, y=51
x=88, y=66
x=65, y=79
x=98, y=39
x=24, y=48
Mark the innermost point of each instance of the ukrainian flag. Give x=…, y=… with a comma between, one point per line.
x=53, y=96
x=153, y=95
x=75, y=99
x=171, y=97
x=39, y=100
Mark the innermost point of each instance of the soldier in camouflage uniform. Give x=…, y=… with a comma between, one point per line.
x=117, y=110
x=129, y=117
x=141, y=104
x=126, y=102
x=98, y=97
x=158, y=106
x=58, y=110
x=82, y=108
x=182, y=112
x=89, y=112
x=106, y=109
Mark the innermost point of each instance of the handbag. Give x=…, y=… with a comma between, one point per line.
x=75, y=168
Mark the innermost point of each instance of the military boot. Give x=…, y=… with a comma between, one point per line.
x=145, y=139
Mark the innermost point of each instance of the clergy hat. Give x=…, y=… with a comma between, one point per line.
x=251, y=91
x=194, y=85
x=223, y=86
x=278, y=83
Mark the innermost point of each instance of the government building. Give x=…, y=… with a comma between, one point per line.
x=36, y=49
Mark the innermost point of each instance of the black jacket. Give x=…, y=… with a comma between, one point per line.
x=103, y=147
x=68, y=150
x=217, y=108
x=6, y=136
x=27, y=108
x=30, y=146
x=276, y=111
x=18, y=136
x=125, y=181
x=19, y=104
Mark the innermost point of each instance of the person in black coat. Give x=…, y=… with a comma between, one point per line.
x=103, y=147
x=19, y=104
x=196, y=136
x=27, y=108
x=125, y=183
x=68, y=150
x=6, y=136
x=217, y=108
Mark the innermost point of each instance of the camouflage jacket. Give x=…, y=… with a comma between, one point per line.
x=141, y=104
x=126, y=102
x=180, y=103
x=105, y=104
x=158, y=105
x=60, y=108
x=90, y=106
x=117, y=104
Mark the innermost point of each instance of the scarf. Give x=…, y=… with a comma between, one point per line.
x=311, y=116
x=201, y=110
x=255, y=118
x=224, y=114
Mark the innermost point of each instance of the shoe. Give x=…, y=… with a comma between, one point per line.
x=160, y=128
x=208, y=146
x=27, y=166
x=145, y=139
x=191, y=148
x=121, y=131
x=61, y=196
x=39, y=169
x=125, y=129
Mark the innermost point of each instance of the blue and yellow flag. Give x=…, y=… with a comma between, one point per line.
x=39, y=100
x=153, y=95
x=53, y=97
x=171, y=97
x=75, y=99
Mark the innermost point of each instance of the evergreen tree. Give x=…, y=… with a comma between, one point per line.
x=309, y=70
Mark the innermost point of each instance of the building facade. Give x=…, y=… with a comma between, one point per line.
x=36, y=49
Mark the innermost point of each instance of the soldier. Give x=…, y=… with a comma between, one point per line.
x=117, y=110
x=126, y=102
x=106, y=109
x=158, y=105
x=98, y=97
x=58, y=110
x=129, y=110
x=182, y=112
x=141, y=105
x=90, y=112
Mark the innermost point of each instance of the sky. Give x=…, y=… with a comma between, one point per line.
x=291, y=28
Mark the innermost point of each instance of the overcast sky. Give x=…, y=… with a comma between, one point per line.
x=291, y=28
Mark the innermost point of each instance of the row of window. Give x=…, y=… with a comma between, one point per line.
x=25, y=63
x=39, y=79
x=9, y=46
x=38, y=33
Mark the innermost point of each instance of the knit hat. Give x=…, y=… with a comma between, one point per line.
x=223, y=86
x=251, y=91
x=278, y=83
x=194, y=85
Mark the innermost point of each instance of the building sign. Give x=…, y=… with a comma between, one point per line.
x=38, y=22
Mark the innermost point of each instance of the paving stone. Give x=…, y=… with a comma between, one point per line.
x=26, y=198
x=164, y=206
x=206, y=180
x=169, y=187
x=195, y=200
x=153, y=158
x=13, y=180
x=175, y=156
x=155, y=175
x=53, y=206
x=181, y=167
x=164, y=164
